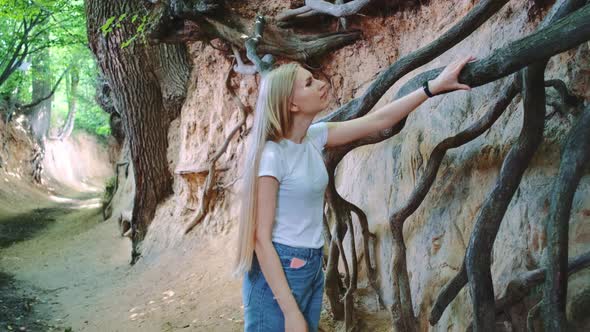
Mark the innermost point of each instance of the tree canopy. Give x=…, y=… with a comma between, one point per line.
x=29, y=27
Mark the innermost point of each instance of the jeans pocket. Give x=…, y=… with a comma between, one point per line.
x=248, y=285
x=293, y=265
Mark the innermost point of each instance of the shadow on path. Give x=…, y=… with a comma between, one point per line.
x=24, y=306
x=25, y=226
x=21, y=307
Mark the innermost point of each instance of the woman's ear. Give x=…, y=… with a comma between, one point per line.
x=294, y=108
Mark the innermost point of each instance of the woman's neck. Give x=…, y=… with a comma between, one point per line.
x=299, y=128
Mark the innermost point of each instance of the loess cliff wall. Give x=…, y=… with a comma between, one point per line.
x=379, y=178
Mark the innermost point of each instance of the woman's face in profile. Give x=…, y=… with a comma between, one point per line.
x=310, y=95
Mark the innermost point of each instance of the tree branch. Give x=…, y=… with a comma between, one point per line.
x=37, y=102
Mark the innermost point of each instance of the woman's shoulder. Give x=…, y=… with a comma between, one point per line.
x=318, y=133
x=272, y=148
x=271, y=145
x=317, y=128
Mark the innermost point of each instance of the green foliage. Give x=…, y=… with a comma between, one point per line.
x=89, y=116
x=114, y=22
x=21, y=21
x=106, y=28
x=18, y=85
x=67, y=46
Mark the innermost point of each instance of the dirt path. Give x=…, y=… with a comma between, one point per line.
x=63, y=267
x=69, y=271
x=50, y=261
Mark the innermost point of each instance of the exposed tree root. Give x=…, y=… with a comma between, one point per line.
x=535, y=47
x=397, y=219
x=403, y=316
x=265, y=64
x=333, y=284
x=566, y=96
x=318, y=7
x=450, y=291
x=181, y=22
x=210, y=180
x=532, y=315
x=37, y=162
x=478, y=259
x=575, y=157
x=363, y=104
x=447, y=295
x=337, y=10
x=240, y=67
x=520, y=287
x=339, y=210
x=107, y=207
x=367, y=237
x=179, y=26
x=566, y=99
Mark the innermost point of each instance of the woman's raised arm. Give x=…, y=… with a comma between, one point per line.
x=340, y=133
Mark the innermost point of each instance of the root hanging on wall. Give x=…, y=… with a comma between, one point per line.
x=208, y=187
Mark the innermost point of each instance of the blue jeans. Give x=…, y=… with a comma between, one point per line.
x=262, y=312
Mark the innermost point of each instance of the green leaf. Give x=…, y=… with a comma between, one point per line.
x=106, y=28
x=128, y=42
x=122, y=17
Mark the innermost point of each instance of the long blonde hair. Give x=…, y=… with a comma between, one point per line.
x=272, y=121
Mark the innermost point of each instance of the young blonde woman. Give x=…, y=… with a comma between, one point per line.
x=280, y=242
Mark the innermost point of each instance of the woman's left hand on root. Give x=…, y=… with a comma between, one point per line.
x=448, y=79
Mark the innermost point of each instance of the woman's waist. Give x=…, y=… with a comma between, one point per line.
x=292, y=250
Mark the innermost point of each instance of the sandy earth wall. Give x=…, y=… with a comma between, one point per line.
x=79, y=162
x=16, y=149
x=379, y=178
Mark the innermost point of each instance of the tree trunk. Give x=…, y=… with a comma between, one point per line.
x=41, y=87
x=133, y=75
x=72, y=90
x=41, y=113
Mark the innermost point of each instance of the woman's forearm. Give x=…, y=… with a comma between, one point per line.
x=392, y=113
x=447, y=80
x=272, y=270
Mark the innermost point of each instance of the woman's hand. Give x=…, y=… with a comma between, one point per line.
x=448, y=79
x=295, y=322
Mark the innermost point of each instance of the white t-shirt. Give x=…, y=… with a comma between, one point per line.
x=303, y=178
